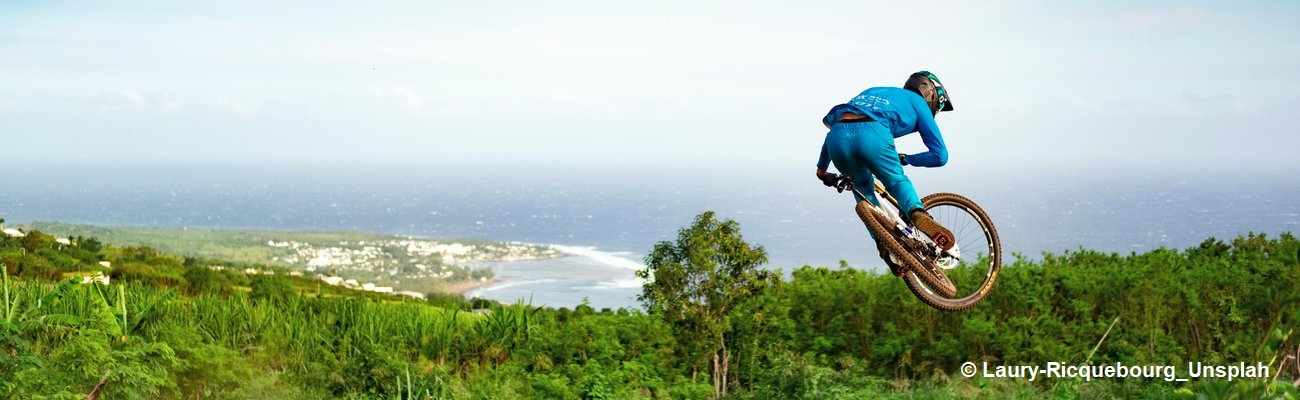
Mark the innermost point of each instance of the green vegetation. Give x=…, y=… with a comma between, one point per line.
x=240, y=246
x=402, y=263
x=169, y=327
x=698, y=282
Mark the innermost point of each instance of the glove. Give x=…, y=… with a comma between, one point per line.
x=829, y=179
x=845, y=183
x=902, y=158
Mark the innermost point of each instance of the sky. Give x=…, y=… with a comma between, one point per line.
x=1205, y=86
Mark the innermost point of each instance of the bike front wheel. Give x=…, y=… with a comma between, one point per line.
x=978, y=259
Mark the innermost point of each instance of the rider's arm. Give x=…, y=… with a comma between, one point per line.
x=824, y=161
x=938, y=154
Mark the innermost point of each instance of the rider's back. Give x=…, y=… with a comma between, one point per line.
x=903, y=112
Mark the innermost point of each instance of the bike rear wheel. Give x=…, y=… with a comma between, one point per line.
x=975, y=273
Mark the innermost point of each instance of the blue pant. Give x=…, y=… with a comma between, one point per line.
x=865, y=149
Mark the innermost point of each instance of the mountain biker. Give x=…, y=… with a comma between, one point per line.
x=861, y=144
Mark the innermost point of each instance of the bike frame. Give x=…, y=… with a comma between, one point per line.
x=913, y=256
x=881, y=193
x=948, y=259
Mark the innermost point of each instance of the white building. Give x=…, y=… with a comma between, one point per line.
x=11, y=232
x=101, y=278
x=409, y=293
x=370, y=287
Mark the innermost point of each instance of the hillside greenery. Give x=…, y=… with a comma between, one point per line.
x=240, y=246
x=170, y=327
x=237, y=245
x=403, y=263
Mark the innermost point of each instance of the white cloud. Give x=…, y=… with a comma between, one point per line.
x=122, y=101
x=586, y=104
x=127, y=100
x=1197, y=104
x=1140, y=20
x=171, y=105
x=1084, y=105
x=682, y=71
x=1243, y=107
x=1006, y=104
x=400, y=96
x=241, y=108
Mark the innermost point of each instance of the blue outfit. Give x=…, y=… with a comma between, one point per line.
x=863, y=149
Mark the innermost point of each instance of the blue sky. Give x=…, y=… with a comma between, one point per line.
x=1196, y=85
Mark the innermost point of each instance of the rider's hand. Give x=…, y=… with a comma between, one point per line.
x=829, y=178
x=845, y=183
x=902, y=158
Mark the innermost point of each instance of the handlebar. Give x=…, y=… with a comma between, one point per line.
x=845, y=184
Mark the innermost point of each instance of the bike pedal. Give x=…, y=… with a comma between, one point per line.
x=937, y=233
x=944, y=240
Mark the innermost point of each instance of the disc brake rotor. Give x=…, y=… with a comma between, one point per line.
x=949, y=259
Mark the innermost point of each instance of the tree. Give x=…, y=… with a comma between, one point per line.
x=36, y=240
x=695, y=283
x=89, y=244
x=270, y=287
x=202, y=280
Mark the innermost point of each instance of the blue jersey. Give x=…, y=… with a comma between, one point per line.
x=903, y=112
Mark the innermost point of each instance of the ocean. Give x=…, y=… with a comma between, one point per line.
x=607, y=219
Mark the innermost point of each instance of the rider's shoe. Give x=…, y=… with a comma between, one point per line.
x=941, y=236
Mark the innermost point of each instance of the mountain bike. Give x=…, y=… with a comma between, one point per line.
x=936, y=276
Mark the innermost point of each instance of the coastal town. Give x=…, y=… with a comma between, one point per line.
x=404, y=264
x=400, y=265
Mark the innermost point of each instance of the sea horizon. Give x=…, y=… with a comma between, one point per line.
x=796, y=220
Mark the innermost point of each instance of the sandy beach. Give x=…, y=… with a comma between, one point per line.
x=602, y=279
x=464, y=287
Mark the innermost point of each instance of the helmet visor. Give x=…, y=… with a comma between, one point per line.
x=945, y=103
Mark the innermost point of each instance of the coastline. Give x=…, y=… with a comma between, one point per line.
x=467, y=286
x=601, y=279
